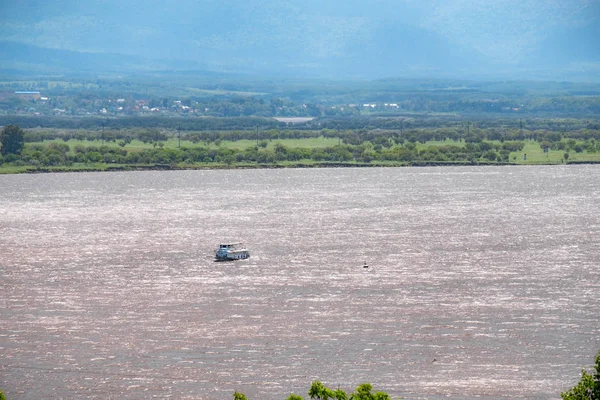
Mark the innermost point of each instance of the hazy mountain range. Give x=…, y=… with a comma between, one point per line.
x=468, y=39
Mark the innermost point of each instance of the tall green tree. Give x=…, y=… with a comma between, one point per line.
x=239, y=396
x=339, y=394
x=363, y=392
x=13, y=140
x=318, y=391
x=588, y=387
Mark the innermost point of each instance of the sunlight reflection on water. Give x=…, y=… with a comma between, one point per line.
x=482, y=282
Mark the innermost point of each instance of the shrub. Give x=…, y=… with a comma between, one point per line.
x=318, y=391
x=588, y=387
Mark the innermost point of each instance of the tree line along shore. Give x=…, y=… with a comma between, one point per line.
x=113, y=148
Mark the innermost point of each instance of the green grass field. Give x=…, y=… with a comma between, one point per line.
x=173, y=143
x=535, y=155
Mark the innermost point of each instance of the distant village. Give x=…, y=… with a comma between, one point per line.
x=36, y=103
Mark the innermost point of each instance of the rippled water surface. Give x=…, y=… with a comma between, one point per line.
x=482, y=282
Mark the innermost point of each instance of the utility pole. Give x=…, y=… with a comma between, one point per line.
x=521, y=126
x=102, y=132
x=179, y=136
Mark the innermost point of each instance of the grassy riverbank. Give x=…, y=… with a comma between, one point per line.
x=67, y=154
x=105, y=167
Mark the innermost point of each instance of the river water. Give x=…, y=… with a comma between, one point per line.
x=483, y=282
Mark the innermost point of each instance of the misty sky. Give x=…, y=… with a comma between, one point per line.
x=407, y=34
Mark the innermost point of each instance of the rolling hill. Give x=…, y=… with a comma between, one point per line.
x=470, y=39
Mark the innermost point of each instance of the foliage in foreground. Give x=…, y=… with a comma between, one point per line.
x=318, y=391
x=588, y=387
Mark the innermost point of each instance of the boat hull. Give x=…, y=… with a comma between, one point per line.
x=233, y=257
x=229, y=252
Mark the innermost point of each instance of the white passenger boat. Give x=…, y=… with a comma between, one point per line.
x=231, y=251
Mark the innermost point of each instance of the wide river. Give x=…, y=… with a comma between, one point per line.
x=483, y=282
